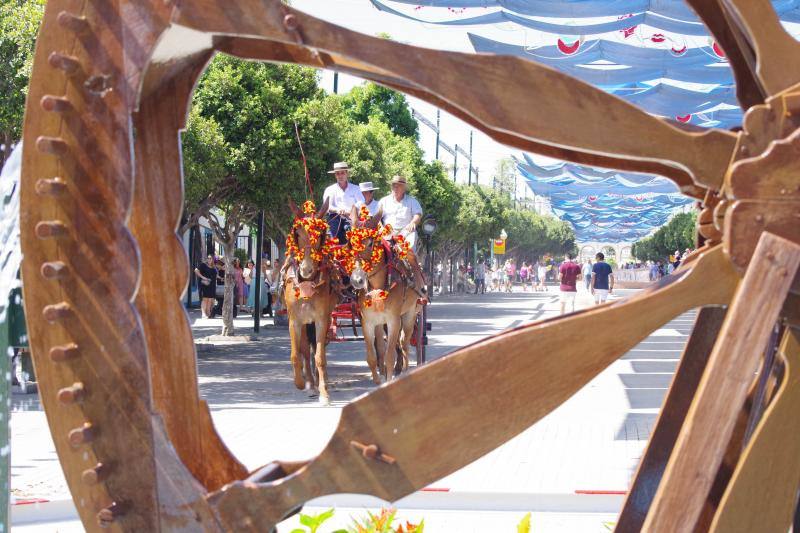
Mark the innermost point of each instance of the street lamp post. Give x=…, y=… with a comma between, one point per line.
x=428, y=229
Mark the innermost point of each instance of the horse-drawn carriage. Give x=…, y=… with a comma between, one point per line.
x=368, y=281
x=115, y=361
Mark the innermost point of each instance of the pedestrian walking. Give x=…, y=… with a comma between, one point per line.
x=238, y=276
x=602, y=279
x=587, y=274
x=541, y=273
x=480, y=277
x=523, y=276
x=207, y=285
x=247, y=276
x=269, y=284
x=568, y=274
x=510, y=270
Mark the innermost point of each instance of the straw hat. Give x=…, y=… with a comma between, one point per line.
x=341, y=165
x=367, y=186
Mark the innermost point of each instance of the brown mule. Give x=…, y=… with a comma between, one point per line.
x=382, y=305
x=310, y=296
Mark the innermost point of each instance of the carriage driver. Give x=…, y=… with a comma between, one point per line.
x=341, y=196
x=403, y=212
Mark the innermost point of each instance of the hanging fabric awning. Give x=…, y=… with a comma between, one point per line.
x=674, y=10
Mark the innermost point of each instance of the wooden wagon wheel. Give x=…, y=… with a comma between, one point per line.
x=102, y=186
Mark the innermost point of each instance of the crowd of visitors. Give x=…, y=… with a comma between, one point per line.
x=210, y=276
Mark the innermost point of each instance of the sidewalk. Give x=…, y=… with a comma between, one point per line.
x=579, y=459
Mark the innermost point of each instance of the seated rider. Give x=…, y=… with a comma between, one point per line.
x=403, y=212
x=341, y=197
x=368, y=190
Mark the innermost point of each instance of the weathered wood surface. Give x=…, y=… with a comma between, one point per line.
x=777, y=53
x=704, y=156
x=157, y=209
x=737, y=49
x=77, y=194
x=533, y=368
x=770, y=466
x=85, y=142
x=673, y=413
x=285, y=52
x=720, y=396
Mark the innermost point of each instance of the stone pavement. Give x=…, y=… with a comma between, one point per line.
x=579, y=459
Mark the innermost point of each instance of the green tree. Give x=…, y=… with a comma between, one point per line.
x=371, y=100
x=19, y=24
x=240, y=150
x=503, y=177
x=677, y=234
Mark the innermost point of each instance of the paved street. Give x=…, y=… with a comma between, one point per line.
x=570, y=469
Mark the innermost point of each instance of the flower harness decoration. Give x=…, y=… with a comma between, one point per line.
x=315, y=228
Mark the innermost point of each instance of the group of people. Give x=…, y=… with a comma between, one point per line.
x=398, y=209
x=502, y=277
x=211, y=281
x=598, y=277
x=659, y=269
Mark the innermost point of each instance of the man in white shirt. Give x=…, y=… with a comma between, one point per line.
x=402, y=211
x=341, y=196
x=368, y=190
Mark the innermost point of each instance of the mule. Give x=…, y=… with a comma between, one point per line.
x=310, y=294
x=380, y=304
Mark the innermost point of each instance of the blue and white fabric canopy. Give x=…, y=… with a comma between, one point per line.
x=655, y=54
x=603, y=205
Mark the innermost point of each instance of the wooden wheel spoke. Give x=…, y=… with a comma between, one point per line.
x=738, y=50
x=277, y=51
x=533, y=382
x=609, y=126
x=777, y=53
x=722, y=391
x=772, y=459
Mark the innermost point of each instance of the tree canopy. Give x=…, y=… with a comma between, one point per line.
x=677, y=234
x=370, y=100
x=19, y=24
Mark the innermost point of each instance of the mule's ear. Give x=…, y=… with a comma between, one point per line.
x=295, y=210
x=375, y=219
x=324, y=209
x=354, y=216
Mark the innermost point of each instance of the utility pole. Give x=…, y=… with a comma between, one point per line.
x=470, y=159
x=438, y=116
x=455, y=164
x=335, y=83
x=515, y=190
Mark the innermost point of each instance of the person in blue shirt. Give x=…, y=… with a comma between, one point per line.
x=602, y=279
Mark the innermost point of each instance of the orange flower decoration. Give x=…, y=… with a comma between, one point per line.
x=314, y=227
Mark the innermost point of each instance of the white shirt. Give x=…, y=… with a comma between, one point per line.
x=399, y=214
x=372, y=207
x=342, y=200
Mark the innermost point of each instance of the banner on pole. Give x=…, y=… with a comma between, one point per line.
x=499, y=247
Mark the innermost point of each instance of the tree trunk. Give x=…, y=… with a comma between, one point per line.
x=229, y=299
x=6, y=140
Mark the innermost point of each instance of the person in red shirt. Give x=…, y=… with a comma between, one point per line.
x=568, y=274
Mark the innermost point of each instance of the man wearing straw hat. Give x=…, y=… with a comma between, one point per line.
x=341, y=196
x=403, y=212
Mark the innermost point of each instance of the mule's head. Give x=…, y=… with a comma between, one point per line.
x=308, y=234
x=363, y=243
x=358, y=279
